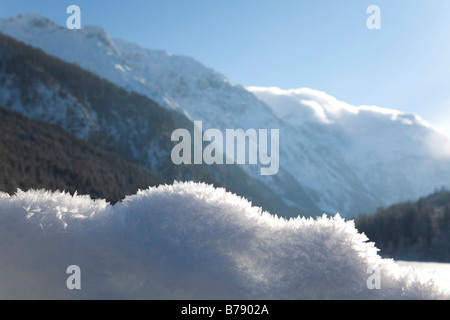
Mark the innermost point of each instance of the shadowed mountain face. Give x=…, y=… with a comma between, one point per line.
x=39, y=155
x=131, y=126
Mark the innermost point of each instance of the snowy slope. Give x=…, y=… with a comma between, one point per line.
x=153, y=246
x=333, y=157
x=439, y=272
x=397, y=156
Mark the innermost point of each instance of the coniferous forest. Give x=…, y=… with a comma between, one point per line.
x=417, y=230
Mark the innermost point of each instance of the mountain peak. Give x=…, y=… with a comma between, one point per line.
x=31, y=20
x=29, y=15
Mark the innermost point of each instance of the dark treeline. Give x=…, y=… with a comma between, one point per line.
x=38, y=155
x=413, y=230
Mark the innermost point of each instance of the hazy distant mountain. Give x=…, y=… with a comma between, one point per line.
x=396, y=156
x=333, y=157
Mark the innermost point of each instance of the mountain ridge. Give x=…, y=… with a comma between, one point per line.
x=130, y=125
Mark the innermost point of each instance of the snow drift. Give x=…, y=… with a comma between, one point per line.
x=187, y=241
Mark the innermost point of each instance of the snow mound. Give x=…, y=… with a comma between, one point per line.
x=188, y=241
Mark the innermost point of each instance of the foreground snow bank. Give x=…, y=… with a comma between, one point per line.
x=188, y=241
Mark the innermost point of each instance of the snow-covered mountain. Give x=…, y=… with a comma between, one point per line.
x=109, y=118
x=333, y=157
x=396, y=156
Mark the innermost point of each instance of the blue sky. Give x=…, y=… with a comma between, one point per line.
x=319, y=44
